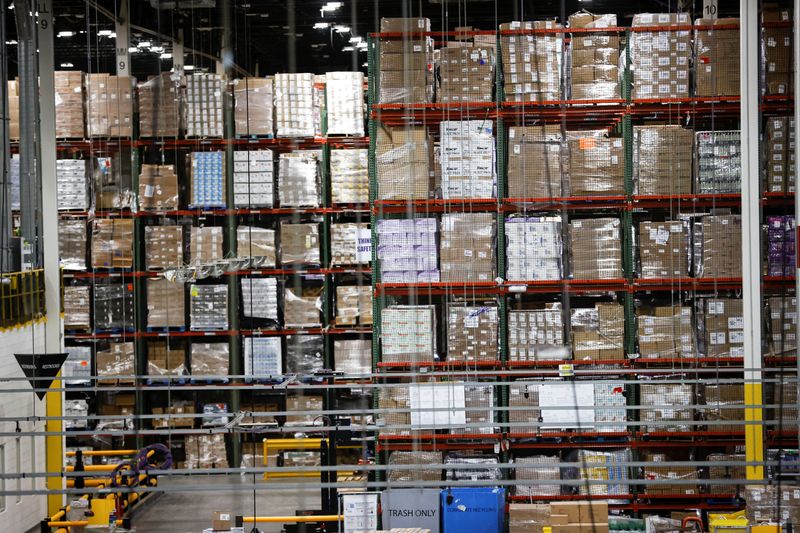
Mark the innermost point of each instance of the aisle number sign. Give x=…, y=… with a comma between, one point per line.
x=360, y=512
x=710, y=9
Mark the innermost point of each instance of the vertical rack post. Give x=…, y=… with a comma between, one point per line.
x=796, y=43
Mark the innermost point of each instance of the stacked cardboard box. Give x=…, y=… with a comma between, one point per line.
x=537, y=159
x=253, y=178
x=666, y=332
x=596, y=164
x=304, y=354
x=163, y=247
x=580, y=516
x=349, y=176
x=717, y=57
x=407, y=250
x=660, y=59
x=533, y=473
x=308, y=408
x=72, y=184
x=662, y=160
x=484, y=467
x=467, y=247
x=472, y=333
x=345, y=103
x=262, y=356
x=299, y=244
x=781, y=244
x=782, y=324
x=724, y=407
x=158, y=188
x=719, y=470
x=673, y=409
x=72, y=241
x=347, y=238
x=207, y=179
x=13, y=172
x=13, y=109
x=113, y=307
x=77, y=307
x=408, y=333
x=773, y=504
x=663, y=250
x=204, y=94
x=612, y=400
x=77, y=365
x=717, y=246
x=116, y=364
x=722, y=327
x=70, y=105
x=110, y=105
x=394, y=406
x=205, y=244
x=352, y=356
x=528, y=517
x=353, y=305
x=536, y=335
x=165, y=304
x=112, y=243
x=298, y=178
x=678, y=480
x=164, y=360
x=598, y=332
x=779, y=159
x=467, y=158
x=294, y=105
x=209, y=359
x=524, y=413
x=718, y=162
x=533, y=248
x=532, y=63
x=401, y=156
x=208, y=307
x=159, y=106
x=785, y=413
x=595, y=57
x=178, y=415
x=478, y=410
x=206, y=451
x=778, y=50
x=253, y=110
x=405, y=61
x=398, y=459
x=260, y=298
x=301, y=310
x=466, y=74
x=596, y=248
x=255, y=243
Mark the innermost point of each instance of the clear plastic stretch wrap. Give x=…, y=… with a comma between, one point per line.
x=534, y=248
x=528, y=517
x=782, y=322
x=407, y=250
x=467, y=158
x=214, y=414
x=532, y=63
x=717, y=57
x=662, y=159
x=467, y=247
x=260, y=298
x=77, y=307
x=772, y=504
x=158, y=188
x=532, y=474
x=718, y=162
x=109, y=105
x=466, y=74
x=485, y=467
x=537, y=161
x=77, y=365
x=112, y=183
x=13, y=110
x=717, y=246
x=178, y=415
x=779, y=154
x=613, y=401
x=349, y=176
x=165, y=304
x=72, y=243
x=401, y=156
x=13, y=173
x=399, y=459
x=608, y=467
x=301, y=310
x=206, y=451
x=163, y=247
x=395, y=399
x=253, y=178
x=595, y=57
x=164, y=360
x=113, y=307
x=294, y=105
x=299, y=402
x=304, y=354
x=524, y=413
x=203, y=105
x=346, y=238
x=660, y=59
x=112, y=243
x=208, y=307
x=353, y=356
x=117, y=360
x=725, y=407
x=209, y=359
x=256, y=243
x=263, y=356
x=781, y=245
x=405, y=73
x=726, y=472
x=299, y=244
x=673, y=411
x=408, y=333
x=472, y=333
x=721, y=325
x=682, y=480
x=73, y=410
x=598, y=332
x=478, y=410
x=666, y=332
x=72, y=185
x=252, y=113
x=205, y=244
x=537, y=334
x=207, y=179
x=596, y=248
x=785, y=412
x=777, y=50
x=663, y=249
x=345, y=103
x=159, y=106
x=596, y=164
x=353, y=305
x=70, y=104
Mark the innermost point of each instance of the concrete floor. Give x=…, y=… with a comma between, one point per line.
x=178, y=511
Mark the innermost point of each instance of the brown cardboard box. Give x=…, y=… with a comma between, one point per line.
x=596, y=248
x=783, y=324
x=682, y=479
x=466, y=250
x=405, y=25
x=77, y=307
x=593, y=512
x=466, y=74
x=221, y=521
x=558, y=520
x=253, y=106
x=666, y=332
x=403, y=166
x=117, y=360
x=662, y=159
x=112, y=243
x=532, y=66
x=205, y=244
x=159, y=102
x=717, y=246
x=528, y=517
x=598, y=333
x=70, y=105
x=723, y=327
x=717, y=58
x=72, y=243
x=571, y=510
x=663, y=250
x=472, y=333
x=163, y=246
x=596, y=164
x=165, y=304
x=13, y=110
x=725, y=403
x=777, y=50
x=568, y=528
x=353, y=305
x=779, y=156
x=660, y=59
x=163, y=359
x=110, y=105
x=299, y=244
x=536, y=162
x=158, y=188
x=179, y=416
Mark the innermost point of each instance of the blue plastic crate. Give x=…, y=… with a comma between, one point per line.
x=473, y=509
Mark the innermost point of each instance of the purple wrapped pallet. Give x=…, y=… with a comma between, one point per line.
x=781, y=244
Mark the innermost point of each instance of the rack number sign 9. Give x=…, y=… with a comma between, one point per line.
x=710, y=9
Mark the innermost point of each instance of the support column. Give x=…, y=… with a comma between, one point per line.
x=123, y=39
x=749, y=32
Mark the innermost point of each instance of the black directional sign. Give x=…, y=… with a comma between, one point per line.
x=41, y=369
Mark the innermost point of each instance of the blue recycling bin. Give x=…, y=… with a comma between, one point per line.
x=473, y=509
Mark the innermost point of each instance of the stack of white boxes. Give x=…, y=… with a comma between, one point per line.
x=537, y=335
x=298, y=179
x=253, y=178
x=294, y=105
x=349, y=176
x=345, y=103
x=407, y=250
x=262, y=356
x=72, y=185
x=208, y=307
x=611, y=396
x=204, y=105
x=408, y=333
x=534, y=248
x=467, y=157
x=208, y=179
x=260, y=298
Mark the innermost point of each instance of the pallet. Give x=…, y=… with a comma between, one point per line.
x=168, y=329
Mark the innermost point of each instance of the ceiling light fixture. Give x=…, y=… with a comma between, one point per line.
x=132, y=50
x=144, y=44
x=65, y=34
x=321, y=25
x=330, y=6
x=105, y=33
x=355, y=39
x=348, y=49
x=166, y=55
x=341, y=28
x=11, y=42
x=361, y=45
x=67, y=65
x=188, y=67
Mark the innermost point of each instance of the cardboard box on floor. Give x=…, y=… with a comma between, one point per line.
x=579, y=517
x=221, y=521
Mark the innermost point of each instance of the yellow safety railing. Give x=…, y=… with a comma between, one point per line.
x=21, y=298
